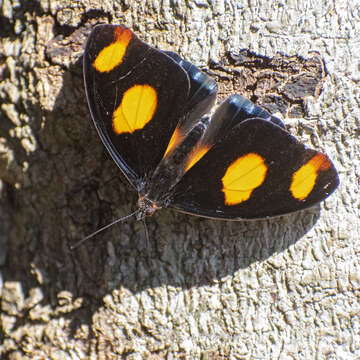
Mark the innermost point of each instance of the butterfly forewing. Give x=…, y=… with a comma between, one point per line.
x=134, y=111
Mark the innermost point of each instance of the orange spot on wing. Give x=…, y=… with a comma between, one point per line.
x=136, y=109
x=242, y=177
x=304, y=179
x=113, y=54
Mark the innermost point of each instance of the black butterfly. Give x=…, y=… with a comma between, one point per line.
x=151, y=109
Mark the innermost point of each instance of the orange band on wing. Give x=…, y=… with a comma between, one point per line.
x=242, y=177
x=113, y=54
x=136, y=109
x=176, y=138
x=304, y=179
x=196, y=155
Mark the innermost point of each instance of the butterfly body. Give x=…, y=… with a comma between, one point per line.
x=152, y=110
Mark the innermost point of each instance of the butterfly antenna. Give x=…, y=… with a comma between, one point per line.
x=72, y=247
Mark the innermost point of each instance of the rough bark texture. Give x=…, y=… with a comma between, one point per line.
x=285, y=288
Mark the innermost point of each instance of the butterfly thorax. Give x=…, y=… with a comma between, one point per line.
x=146, y=207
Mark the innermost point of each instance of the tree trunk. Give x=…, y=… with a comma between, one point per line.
x=197, y=288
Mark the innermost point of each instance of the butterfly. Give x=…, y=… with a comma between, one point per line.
x=154, y=113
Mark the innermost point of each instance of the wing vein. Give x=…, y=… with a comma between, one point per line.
x=239, y=177
x=126, y=119
x=138, y=106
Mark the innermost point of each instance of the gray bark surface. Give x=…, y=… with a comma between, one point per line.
x=285, y=288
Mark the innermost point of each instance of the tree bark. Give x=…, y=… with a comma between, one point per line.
x=198, y=288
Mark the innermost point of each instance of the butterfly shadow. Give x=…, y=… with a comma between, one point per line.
x=185, y=251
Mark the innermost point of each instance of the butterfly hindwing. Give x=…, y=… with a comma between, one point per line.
x=136, y=95
x=239, y=109
x=257, y=170
x=203, y=88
